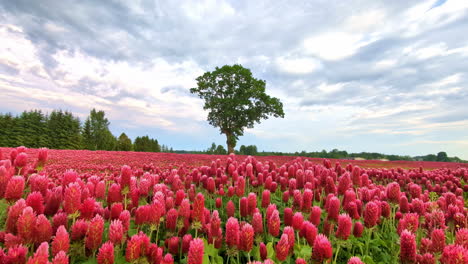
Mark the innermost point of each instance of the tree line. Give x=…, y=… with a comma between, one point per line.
x=220, y=150
x=62, y=130
x=343, y=154
x=333, y=154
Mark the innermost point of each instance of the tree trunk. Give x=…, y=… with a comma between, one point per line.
x=230, y=149
x=230, y=143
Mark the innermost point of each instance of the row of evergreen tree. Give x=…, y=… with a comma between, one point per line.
x=62, y=130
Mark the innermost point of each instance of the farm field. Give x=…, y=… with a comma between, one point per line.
x=77, y=206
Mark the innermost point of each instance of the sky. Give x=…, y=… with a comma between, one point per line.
x=375, y=76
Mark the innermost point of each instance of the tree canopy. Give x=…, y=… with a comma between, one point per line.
x=96, y=133
x=124, y=143
x=62, y=130
x=442, y=156
x=248, y=150
x=235, y=101
x=219, y=150
x=146, y=144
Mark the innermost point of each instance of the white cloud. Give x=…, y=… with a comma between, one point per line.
x=50, y=26
x=16, y=50
x=334, y=45
x=453, y=90
x=386, y=112
x=109, y=78
x=422, y=17
x=114, y=77
x=386, y=64
x=298, y=65
x=394, y=132
x=366, y=21
x=449, y=80
x=200, y=10
x=330, y=88
x=439, y=49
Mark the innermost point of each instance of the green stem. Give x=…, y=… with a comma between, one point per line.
x=298, y=239
x=117, y=250
x=369, y=233
x=151, y=235
x=157, y=234
x=337, y=252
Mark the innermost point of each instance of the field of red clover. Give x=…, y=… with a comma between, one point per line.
x=76, y=206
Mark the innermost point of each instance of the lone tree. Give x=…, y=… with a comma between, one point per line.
x=235, y=101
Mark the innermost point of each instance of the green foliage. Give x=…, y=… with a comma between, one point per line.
x=3, y=211
x=430, y=157
x=31, y=129
x=146, y=144
x=212, y=149
x=235, y=101
x=302, y=251
x=63, y=130
x=211, y=254
x=96, y=133
x=442, y=156
x=86, y=134
x=124, y=143
x=166, y=149
x=8, y=137
x=218, y=150
x=248, y=150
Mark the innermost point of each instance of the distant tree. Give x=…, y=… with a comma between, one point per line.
x=220, y=150
x=212, y=149
x=242, y=150
x=248, y=150
x=155, y=146
x=124, y=143
x=109, y=141
x=140, y=144
x=86, y=135
x=235, y=100
x=430, y=157
x=96, y=133
x=63, y=130
x=8, y=137
x=31, y=129
x=442, y=156
x=146, y=144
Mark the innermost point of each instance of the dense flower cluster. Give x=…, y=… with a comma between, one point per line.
x=69, y=206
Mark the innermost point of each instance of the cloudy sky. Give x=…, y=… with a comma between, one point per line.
x=384, y=76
